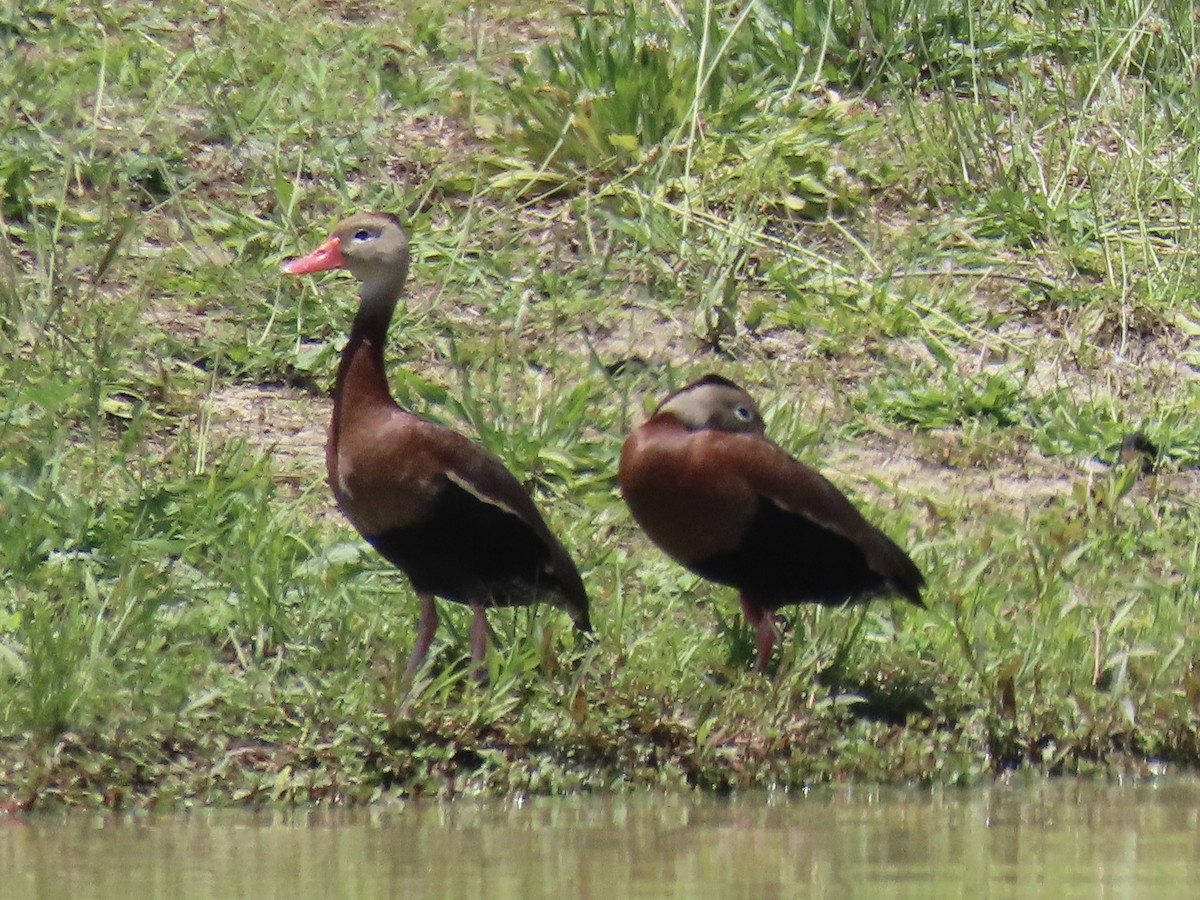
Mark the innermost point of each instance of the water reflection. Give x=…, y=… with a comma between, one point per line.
x=1055, y=839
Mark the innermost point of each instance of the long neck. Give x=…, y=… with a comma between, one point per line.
x=361, y=377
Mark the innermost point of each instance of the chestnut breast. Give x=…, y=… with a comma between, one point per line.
x=387, y=467
x=686, y=489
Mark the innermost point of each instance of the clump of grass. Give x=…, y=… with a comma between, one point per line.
x=652, y=97
x=881, y=45
x=927, y=401
x=625, y=86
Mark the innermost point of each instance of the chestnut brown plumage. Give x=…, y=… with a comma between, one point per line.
x=436, y=505
x=717, y=495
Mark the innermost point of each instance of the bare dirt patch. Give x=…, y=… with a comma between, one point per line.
x=285, y=422
x=1012, y=484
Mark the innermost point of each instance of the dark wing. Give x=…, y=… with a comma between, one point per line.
x=481, y=538
x=799, y=505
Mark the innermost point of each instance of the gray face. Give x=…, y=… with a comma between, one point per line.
x=374, y=247
x=720, y=407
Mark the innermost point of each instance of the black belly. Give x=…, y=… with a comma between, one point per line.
x=785, y=558
x=471, y=552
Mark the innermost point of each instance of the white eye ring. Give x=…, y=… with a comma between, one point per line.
x=743, y=413
x=362, y=235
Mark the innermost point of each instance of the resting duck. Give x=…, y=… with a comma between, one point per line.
x=439, y=507
x=717, y=495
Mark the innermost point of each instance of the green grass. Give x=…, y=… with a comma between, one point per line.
x=950, y=248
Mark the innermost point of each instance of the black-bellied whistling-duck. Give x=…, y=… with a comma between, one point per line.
x=436, y=505
x=716, y=494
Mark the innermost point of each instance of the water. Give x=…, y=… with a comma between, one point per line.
x=1048, y=839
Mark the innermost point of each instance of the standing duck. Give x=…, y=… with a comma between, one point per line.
x=439, y=507
x=717, y=495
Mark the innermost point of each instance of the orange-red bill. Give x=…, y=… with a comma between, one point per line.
x=327, y=256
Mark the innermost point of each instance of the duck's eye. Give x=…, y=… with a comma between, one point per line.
x=743, y=413
x=362, y=235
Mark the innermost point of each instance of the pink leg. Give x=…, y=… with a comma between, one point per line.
x=425, y=631
x=480, y=632
x=763, y=621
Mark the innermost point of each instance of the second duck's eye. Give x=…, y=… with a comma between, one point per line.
x=362, y=235
x=743, y=413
